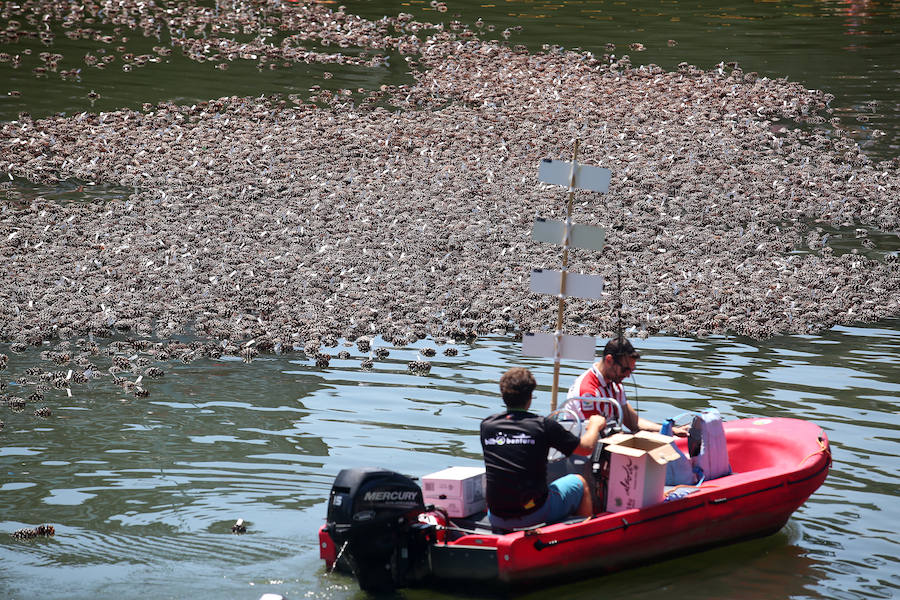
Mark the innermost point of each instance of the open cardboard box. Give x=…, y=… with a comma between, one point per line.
x=637, y=469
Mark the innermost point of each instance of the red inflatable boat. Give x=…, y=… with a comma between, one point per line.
x=379, y=529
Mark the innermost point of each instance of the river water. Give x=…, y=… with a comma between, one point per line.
x=143, y=491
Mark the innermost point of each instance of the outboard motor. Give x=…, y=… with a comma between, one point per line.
x=373, y=521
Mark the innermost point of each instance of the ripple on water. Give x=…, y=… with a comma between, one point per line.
x=77, y=546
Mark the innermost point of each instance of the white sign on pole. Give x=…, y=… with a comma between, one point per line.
x=580, y=236
x=587, y=237
x=548, y=231
x=571, y=347
x=587, y=177
x=578, y=285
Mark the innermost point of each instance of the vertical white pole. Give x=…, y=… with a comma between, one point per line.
x=562, y=288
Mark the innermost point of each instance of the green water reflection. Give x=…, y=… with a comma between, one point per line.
x=846, y=48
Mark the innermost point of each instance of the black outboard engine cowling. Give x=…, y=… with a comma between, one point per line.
x=373, y=520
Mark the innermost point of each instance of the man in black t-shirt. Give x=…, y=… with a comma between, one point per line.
x=515, y=445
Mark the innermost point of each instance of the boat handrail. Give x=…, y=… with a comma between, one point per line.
x=611, y=401
x=559, y=415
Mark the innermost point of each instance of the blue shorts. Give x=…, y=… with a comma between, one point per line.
x=562, y=501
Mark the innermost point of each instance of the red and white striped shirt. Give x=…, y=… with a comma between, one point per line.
x=589, y=385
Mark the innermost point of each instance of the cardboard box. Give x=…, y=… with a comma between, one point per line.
x=458, y=490
x=637, y=469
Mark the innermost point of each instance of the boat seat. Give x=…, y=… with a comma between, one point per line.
x=475, y=523
x=479, y=523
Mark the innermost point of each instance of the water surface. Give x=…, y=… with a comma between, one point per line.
x=143, y=492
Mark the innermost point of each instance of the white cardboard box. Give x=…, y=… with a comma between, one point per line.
x=459, y=490
x=637, y=469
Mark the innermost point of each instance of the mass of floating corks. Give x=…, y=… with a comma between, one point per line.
x=29, y=533
x=408, y=214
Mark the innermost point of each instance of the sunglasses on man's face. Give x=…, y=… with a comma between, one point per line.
x=627, y=368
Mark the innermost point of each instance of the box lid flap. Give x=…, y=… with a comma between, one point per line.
x=656, y=437
x=616, y=438
x=658, y=447
x=664, y=454
x=627, y=451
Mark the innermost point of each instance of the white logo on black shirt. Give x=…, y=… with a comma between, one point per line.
x=501, y=439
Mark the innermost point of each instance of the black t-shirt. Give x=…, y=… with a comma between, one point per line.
x=515, y=445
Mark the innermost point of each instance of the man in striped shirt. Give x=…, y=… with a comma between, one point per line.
x=604, y=380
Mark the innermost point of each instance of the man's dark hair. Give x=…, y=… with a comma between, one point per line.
x=516, y=387
x=617, y=347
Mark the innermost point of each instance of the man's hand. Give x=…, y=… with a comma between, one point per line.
x=592, y=429
x=599, y=422
x=681, y=430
